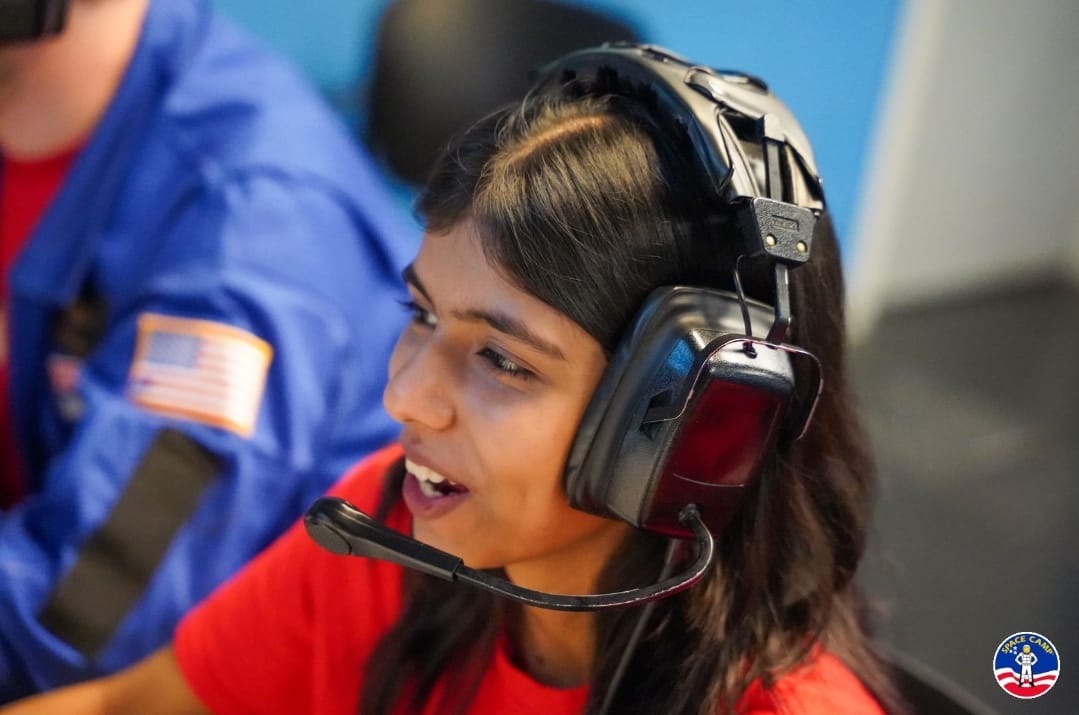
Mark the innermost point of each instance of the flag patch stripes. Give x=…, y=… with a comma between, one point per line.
x=200, y=370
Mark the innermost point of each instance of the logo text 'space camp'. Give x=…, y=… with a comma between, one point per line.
x=1026, y=665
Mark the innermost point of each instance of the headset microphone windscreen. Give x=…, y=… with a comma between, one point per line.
x=341, y=528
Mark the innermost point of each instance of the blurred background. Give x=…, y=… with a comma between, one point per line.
x=947, y=133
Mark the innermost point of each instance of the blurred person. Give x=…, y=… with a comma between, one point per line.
x=199, y=271
x=583, y=249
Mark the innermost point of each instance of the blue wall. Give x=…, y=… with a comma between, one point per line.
x=826, y=59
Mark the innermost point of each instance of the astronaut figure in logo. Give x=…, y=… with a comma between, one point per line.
x=1025, y=660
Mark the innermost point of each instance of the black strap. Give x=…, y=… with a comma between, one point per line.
x=79, y=327
x=116, y=563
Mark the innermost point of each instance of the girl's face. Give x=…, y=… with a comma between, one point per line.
x=489, y=384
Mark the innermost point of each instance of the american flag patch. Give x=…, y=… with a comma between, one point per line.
x=199, y=370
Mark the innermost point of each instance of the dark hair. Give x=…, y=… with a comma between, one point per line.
x=588, y=203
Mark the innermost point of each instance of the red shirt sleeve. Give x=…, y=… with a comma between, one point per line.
x=824, y=686
x=259, y=644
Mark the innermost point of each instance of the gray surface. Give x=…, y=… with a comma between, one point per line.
x=973, y=410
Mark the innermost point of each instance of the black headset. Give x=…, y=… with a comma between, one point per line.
x=22, y=20
x=703, y=382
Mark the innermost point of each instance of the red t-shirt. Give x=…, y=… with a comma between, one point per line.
x=291, y=634
x=26, y=188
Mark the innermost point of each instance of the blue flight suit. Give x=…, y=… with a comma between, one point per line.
x=218, y=190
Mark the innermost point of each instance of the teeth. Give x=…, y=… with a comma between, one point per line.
x=428, y=489
x=426, y=475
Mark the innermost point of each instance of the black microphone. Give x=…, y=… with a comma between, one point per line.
x=341, y=528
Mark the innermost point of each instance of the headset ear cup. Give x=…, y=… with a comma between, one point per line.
x=579, y=488
x=616, y=460
x=583, y=488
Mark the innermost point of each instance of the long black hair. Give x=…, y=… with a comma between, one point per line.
x=589, y=203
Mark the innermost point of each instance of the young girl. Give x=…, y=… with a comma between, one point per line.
x=548, y=225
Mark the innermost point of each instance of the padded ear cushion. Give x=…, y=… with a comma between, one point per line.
x=580, y=463
x=643, y=369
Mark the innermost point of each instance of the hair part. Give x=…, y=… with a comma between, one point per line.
x=566, y=195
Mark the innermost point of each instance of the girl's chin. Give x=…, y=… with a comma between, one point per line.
x=437, y=539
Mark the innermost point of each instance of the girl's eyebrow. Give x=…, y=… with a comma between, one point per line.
x=497, y=319
x=408, y=275
x=511, y=326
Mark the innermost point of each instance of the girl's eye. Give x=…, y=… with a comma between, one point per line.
x=420, y=316
x=504, y=365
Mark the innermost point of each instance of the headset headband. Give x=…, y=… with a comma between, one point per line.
x=755, y=158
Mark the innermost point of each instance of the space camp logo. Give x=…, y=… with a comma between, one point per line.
x=1026, y=665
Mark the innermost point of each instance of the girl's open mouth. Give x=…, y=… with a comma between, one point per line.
x=429, y=494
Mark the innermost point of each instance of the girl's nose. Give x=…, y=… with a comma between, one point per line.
x=418, y=391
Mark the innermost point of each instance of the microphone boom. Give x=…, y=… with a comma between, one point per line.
x=339, y=527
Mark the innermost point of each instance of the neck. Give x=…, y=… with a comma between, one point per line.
x=54, y=91
x=554, y=647
x=557, y=647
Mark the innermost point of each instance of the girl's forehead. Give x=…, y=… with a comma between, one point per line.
x=455, y=274
x=452, y=270
x=456, y=262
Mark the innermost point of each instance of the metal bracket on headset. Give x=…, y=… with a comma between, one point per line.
x=772, y=208
x=784, y=229
x=786, y=237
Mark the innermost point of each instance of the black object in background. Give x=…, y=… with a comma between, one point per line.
x=442, y=64
x=27, y=20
